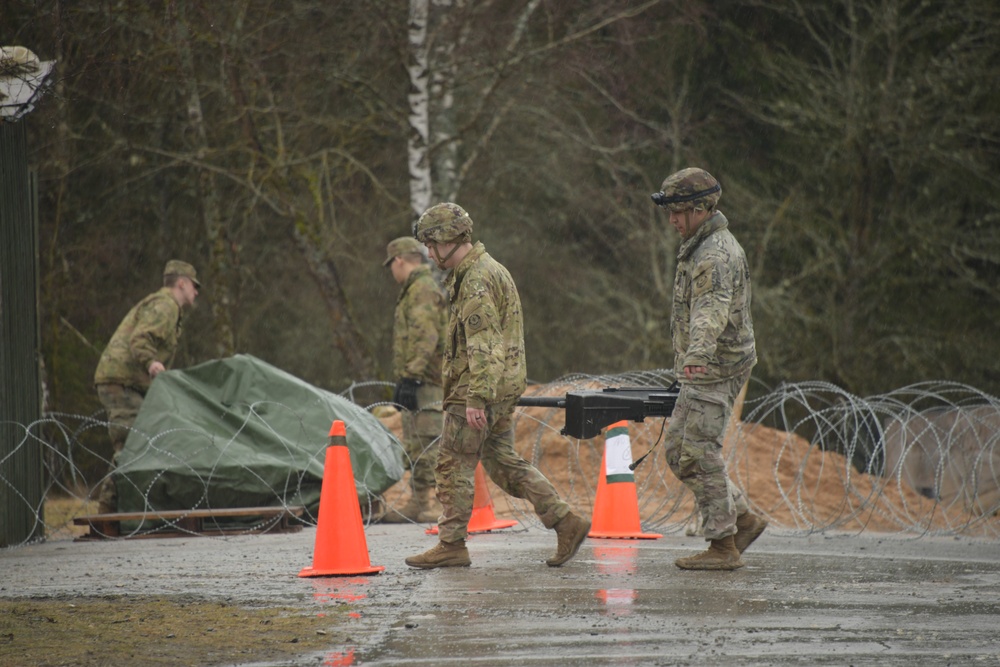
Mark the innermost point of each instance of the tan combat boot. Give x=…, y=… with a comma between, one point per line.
x=408, y=513
x=444, y=554
x=430, y=508
x=721, y=555
x=422, y=507
x=749, y=526
x=107, y=499
x=570, y=530
x=372, y=508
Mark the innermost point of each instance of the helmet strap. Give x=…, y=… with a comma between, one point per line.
x=441, y=260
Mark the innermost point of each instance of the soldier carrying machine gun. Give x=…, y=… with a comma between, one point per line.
x=589, y=412
x=714, y=351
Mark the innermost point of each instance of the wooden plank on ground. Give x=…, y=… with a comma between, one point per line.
x=192, y=522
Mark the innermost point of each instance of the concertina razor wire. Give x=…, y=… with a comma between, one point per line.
x=811, y=457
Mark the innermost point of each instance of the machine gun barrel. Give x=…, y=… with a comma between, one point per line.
x=590, y=412
x=542, y=402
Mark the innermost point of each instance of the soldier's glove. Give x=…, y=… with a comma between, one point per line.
x=405, y=394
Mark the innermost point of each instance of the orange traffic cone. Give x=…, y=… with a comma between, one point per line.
x=341, y=548
x=616, y=505
x=482, y=520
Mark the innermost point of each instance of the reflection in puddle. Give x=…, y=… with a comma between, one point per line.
x=345, y=591
x=339, y=658
x=339, y=590
x=618, y=562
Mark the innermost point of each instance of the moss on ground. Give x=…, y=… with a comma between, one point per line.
x=128, y=631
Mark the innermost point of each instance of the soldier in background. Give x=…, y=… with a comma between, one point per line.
x=714, y=352
x=484, y=375
x=142, y=347
x=421, y=319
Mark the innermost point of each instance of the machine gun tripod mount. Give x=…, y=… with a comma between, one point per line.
x=589, y=412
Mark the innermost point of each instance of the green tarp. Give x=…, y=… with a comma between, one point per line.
x=239, y=432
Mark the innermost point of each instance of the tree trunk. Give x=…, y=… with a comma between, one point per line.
x=344, y=333
x=219, y=259
x=444, y=139
x=419, y=98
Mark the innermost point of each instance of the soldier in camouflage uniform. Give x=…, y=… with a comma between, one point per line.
x=142, y=347
x=484, y=375
x=421, y=319
x=714, y=352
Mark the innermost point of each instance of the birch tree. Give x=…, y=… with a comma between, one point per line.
x=418, y=144
x=468, y=64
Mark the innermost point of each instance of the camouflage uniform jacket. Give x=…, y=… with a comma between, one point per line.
x=419, y=328
x=484, y=353
x=711, y=324
x=148, y=333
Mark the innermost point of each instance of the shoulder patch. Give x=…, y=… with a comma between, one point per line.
x=475, y=322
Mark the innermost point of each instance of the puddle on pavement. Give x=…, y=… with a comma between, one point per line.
x=331, y=590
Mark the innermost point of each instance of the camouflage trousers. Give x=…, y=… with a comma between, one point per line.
x=122, y=405
x=693, y=445
x=463, y=447
x=421, y=433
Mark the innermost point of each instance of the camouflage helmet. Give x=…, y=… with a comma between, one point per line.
x=687, y=189
x=443, y=223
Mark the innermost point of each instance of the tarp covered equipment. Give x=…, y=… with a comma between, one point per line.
x=238, y=432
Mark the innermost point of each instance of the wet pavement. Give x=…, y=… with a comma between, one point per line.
x=817, y=599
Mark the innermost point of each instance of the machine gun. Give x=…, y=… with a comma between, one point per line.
x=589, y=412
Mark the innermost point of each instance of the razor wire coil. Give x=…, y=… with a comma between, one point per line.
x=811, y=457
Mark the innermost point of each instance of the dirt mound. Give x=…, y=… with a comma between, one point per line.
x=794, y=483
